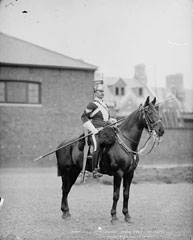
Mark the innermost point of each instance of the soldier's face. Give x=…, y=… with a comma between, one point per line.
x=100, y=94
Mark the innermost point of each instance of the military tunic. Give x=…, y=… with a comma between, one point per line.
x=97, y=112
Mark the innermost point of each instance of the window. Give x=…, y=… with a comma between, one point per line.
x=116, y=91
x=33, y=93
x=19, y=92
x=119, y=91
x=122, y=91
x=140, y=92
x=2, y=91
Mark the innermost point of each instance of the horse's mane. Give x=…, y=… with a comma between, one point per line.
x=130, y=120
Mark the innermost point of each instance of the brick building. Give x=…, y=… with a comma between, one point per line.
x=42, y=95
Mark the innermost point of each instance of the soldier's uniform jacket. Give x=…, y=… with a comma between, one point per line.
x=97, y=112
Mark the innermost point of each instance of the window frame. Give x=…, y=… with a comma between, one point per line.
x=27, y=102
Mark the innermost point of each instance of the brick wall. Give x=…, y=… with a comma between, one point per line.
x=30, y=131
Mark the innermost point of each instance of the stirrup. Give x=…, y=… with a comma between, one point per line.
x=89, y=156
x=96, y=173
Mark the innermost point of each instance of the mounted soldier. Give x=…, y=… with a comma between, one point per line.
x=119, y=160
x=96, y=116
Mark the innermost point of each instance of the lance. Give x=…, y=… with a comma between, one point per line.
x=170, y=98
x=76, y=140
x=157, y=104
x=85, y=136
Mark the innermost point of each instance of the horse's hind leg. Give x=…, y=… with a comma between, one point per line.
x=68, y=179
x=127, y=178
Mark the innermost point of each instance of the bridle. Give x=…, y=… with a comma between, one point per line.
x=150, y=124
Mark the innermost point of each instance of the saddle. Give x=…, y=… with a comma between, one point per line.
x=106, y=138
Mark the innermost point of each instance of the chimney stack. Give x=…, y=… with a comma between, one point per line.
x=140, y=73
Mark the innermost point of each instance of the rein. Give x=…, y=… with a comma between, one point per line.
x=131, y=140
x=139, y=152
x=150, y=129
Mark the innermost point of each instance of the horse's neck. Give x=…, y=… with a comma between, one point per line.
x=132, y=128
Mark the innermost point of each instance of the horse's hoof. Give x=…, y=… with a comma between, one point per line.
x=128, y=220
x=66, y=216
x=114, y=220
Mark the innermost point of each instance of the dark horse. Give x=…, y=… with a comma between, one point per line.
x=120, y=160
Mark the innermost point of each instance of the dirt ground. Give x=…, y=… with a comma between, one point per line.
x=161, y=206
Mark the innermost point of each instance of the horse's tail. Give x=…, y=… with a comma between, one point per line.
x=58, y=162
x=58, y=166
x=64, y=159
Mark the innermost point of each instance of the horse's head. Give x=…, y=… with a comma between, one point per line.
x=152, y=121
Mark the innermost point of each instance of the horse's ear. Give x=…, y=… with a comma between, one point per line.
x=154, y=101
x=146, y=102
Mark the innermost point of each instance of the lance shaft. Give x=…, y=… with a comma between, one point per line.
x=157, y=104
x=76, y=140
x=109, y=125
x=170, y=98
x=68, y=144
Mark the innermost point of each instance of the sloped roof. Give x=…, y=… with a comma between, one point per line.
x=129, y=103
x=130, y=82
x=109, y=81
x=18, y=52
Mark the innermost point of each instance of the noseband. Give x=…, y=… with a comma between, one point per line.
x=149, y=122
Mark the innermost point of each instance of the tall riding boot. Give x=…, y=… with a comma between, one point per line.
x=96, y=171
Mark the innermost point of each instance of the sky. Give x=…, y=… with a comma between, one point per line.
x=114, y=35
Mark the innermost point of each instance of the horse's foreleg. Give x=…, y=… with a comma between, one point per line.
x=116, y=191
x=127, y=178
